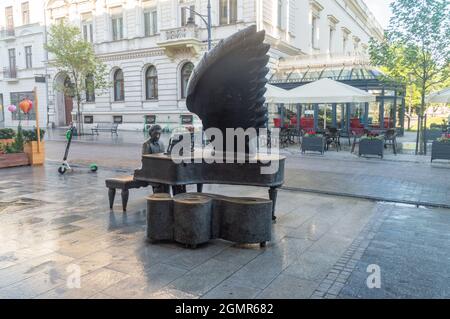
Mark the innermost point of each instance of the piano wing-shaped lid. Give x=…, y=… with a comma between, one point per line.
x=226, y=88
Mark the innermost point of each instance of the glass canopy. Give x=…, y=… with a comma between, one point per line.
x=342, y=73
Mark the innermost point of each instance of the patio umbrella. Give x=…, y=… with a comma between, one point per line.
x=328, y=91
x=442, y=96
x=275, y=94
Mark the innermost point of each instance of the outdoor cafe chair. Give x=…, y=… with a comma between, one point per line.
x=357, y=134
x=390, y=138
x=333, y=138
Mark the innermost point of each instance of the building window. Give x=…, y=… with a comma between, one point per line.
x=227, y=11
x=118, y=119
x=150, y=22
x=9, y=19
x=28, y=57
x=151, y=83
x=315, y=32
x=15, y=99
x=279, y=13
x=90, y=89
x=25, y=13
x=88, y=29
x=344, y=43
x=117, y=25
x=186, y=71
x=12, y=63
x=187, y=13
x=88, y=119
x=331, y=39
x=119, y=91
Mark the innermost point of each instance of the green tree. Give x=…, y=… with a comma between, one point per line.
x=416, y=49
x=76, y=58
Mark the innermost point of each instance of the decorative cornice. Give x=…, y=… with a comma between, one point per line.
x=346, y=31
x=282, y=46
x=315, y=6
x=125, y=55
x=332, y=19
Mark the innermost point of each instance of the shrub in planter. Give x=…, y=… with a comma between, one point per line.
x=31, y=135
x=36, y=154
x=371, y=145
x=7, y=135
x=12, y=154
x=313, y=142
x=440, y=149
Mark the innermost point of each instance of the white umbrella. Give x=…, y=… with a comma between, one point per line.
x=328, y=91
x=275, y=94
x=442, y=96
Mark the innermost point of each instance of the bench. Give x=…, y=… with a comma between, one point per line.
x=124, y=183
x=195, y=218
x=105, y=127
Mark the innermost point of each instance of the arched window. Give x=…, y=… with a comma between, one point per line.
x=151, y=83
x=90, y=91
x=186, y=71
x=119, y=92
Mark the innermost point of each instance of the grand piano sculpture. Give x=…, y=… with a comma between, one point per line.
x=226, y=90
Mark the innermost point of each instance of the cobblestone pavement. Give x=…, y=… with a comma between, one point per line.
x=51, y=224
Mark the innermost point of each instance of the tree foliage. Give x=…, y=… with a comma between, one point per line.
x=416, y=48
x=75, y=57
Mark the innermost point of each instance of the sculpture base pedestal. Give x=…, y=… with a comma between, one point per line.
x=195, y=218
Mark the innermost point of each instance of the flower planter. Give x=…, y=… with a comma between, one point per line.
x=15, y=159
x=313, y=144
x=35, y=157
x=440, y=150
x=432, y=135
x=5, y=141
x=369, y=146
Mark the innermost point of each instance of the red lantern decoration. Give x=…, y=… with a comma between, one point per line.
x=26, y=106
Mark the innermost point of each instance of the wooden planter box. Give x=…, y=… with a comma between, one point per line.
x=440, y=150
x=11, y=160
x=313, y=144
x=5, y=141
x=35, y=157
x=371, y=147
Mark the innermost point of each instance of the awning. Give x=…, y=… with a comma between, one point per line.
x=326, y=91
x=442, y=96
x=275, y=94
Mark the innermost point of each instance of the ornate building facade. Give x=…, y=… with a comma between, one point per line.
x=151, y=46
x=22, y=56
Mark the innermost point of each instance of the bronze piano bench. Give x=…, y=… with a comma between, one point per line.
x=124, y=183
x=195, y=218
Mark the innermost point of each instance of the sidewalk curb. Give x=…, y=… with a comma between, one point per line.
x=367, y=197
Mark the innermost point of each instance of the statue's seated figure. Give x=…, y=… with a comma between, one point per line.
x=154, y=145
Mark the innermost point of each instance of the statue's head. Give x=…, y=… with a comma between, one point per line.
x=155, y=133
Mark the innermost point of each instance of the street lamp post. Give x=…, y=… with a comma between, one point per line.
x=207, y=21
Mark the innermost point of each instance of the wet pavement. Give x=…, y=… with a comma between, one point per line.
x=54, y=227
x=400, y=178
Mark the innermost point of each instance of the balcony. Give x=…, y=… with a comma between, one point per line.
x=10, y=74
x=179, y=40
x=7, y=34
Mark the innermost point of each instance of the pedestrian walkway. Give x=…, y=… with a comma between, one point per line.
x=399, y=178
x=52, y=224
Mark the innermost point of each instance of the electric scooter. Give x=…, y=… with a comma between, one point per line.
x=64, y=167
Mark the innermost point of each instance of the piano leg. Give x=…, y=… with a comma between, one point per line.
x=199, y=188
x=111, y=195
x=273, y=197
x=124, y=195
